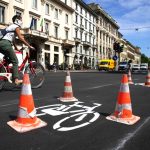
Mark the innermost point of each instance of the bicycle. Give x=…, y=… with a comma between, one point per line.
x=35, y=70
x=80, y=116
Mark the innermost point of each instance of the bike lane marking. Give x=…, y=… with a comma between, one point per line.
x=79, y=115
x=130, y=135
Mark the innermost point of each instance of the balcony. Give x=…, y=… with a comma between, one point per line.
x=35, y=34
x=86, y=44
x=55, y=39
x=77, y=40
x=94, y=46
x=68, y=43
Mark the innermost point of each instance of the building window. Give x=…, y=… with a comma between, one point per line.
x=47, y=47
x=65, y=1
x=85, y=37
x=93, y=28
x=56, y=13
x=76, y=6
x=81, y=35
x=86, y=14
x=76, y=33
x=90, y=17
x=66, y=19
x=90, y=38
x=89, y=26
x=66, y=34
x=33, y=25
x=47, y=9
x=56, y=31
x=81, y=21
x=81, y=49
x=85, y=24
x=34, y=4
x=76, y=48
x=76, y=18
x=47, y=28
x=81, y=10
x=56, y=49
x=2, y=14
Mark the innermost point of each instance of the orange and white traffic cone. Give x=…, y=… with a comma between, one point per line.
x=123, y=110
x=147, y=83
x=26, y=119
x=68, y=93
x=129, y=77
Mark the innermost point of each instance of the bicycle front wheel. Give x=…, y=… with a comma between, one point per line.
x=36, y=74
x=2, y=79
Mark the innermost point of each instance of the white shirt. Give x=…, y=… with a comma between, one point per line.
x=11, y=35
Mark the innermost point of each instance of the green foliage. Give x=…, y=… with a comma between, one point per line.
x=145, y=59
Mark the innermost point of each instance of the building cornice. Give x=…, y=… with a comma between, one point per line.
x=63, y=5
x=83, y=4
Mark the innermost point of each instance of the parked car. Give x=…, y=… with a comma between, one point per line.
x=144, y=67
x=135, y=68
x=123, y=66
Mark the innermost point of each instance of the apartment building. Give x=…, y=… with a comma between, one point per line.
x=66, y=31
x=130, y=52
x=106, y=31
x=84, y=32
x=47, y=25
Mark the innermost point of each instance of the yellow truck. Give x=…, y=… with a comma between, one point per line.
x=107, y=65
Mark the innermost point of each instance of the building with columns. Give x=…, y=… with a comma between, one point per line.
x=65, y=31
x=106, y=31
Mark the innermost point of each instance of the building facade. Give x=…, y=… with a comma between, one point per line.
x=106, y=31
x=65, y=31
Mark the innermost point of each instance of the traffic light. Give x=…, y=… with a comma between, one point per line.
x=121, y=48
x=116, y=46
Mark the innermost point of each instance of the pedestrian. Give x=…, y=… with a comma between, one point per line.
x=8, y=41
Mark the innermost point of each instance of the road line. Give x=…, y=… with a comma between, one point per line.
x=96, y=87
x=128, y=136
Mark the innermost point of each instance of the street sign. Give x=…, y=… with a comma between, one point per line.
x=115, y=57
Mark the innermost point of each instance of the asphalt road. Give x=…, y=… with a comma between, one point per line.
x=78, y=126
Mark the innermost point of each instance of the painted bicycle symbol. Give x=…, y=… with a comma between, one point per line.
x=82, y=115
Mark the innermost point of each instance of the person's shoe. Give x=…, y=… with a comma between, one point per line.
x=18, y=82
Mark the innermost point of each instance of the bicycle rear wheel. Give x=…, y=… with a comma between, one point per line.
x=2, y=79
x=36, y=74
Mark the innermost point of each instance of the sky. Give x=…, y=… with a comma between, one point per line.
x=133, y=18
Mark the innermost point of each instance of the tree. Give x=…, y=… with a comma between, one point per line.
x=145, y=59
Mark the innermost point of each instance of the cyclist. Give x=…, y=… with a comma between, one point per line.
x=8, y=41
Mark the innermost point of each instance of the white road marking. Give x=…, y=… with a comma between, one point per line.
x=128, y=136
x=96, y=87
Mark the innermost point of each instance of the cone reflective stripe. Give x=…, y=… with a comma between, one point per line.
x=129, y=77
x=123, y=109
x=68, y=93
x=147, y=83
x=26, y=119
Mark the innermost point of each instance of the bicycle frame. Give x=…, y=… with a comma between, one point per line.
x=8, y=74
x=76, y=115
x=59, y=109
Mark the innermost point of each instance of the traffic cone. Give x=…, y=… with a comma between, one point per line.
x=147, y=83
x=26, y=119
x=123, y=110
x=68, y=93
x=129, y=77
